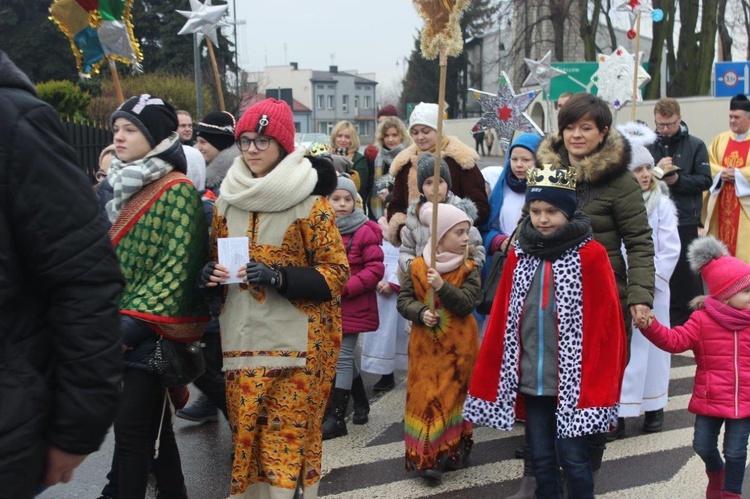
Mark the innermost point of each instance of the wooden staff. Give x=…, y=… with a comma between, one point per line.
x=216, y=73
x=436, y=172
x=116, y=80
x=636, y=57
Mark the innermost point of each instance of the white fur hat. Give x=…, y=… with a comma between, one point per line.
x=424, y=114
x=639, y=135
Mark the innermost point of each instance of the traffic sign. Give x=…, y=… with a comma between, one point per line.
x=732, y=78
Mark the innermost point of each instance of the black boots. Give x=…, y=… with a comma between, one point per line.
x=618, y=432
x=654, y=421
x=359, y=401
x=385, y=383
x=334, y=424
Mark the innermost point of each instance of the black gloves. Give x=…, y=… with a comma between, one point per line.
x=205, y=276
x=259, y=273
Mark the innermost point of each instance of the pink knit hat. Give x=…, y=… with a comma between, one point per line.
x=724, y=274
x=448, y=217
x=272, y=118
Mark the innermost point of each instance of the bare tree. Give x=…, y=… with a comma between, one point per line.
x=662, y=33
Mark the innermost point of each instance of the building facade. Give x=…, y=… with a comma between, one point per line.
x=331, y=96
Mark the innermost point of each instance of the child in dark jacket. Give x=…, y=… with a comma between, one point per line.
x=555, y=336
x=443, y=346
x=718, y=332
x=359, y=305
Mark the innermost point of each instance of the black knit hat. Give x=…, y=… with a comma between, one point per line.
x=426, y=168
x=739, y=102
x=154, y=117
x=217, y=128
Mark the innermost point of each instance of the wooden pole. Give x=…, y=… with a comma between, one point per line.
x=216, y=73
x=116, y=80
x=436, y=173
x=636, y=57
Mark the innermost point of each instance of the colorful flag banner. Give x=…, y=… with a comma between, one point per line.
x=97, y=29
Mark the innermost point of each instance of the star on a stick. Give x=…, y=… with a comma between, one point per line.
x=614, y=78
x=203, y=19
x=505, y=111
x=541, y=72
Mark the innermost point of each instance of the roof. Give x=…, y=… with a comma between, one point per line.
x=249, y=100
x=330, y=77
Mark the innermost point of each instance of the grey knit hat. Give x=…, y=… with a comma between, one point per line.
x=426, y=168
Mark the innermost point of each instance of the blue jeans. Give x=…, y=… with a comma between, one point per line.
x=549, y=453
x=705, y=444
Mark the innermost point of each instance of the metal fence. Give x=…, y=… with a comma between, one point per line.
x=88, y=141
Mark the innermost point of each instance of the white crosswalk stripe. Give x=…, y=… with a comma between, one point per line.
x=369, y=462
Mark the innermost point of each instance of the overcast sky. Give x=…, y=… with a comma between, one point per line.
x=366, y=35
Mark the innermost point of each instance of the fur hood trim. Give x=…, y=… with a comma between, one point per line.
x=465, y=205
x=453, y=148
x=217, y=169
x=607, y=162
x=698, y=303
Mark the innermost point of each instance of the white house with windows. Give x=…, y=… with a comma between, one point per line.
x=332, y=95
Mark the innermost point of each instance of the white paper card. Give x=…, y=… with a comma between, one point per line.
x=233, y=254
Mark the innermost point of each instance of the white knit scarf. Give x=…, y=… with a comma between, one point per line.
x=127, y=179
x=290, y=182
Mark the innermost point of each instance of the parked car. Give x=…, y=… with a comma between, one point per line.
x=306, y=139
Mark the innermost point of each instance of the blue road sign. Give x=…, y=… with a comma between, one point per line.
x=732, y=78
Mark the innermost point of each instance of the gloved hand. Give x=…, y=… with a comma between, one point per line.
x=259, y=273
x=206, y=272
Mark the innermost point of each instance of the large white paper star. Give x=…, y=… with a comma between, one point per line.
x=541, y=72
x=614, y=78
x=203, y=19
x=505, y=111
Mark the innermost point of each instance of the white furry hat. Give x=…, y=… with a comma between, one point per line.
x=424, y=114
x=640, y=136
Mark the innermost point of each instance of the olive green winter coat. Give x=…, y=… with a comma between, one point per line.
x=609, y=194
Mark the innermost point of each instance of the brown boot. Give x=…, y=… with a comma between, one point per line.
x=715, y=484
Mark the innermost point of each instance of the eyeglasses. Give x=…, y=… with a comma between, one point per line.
x=261, y=143
x=665, y=125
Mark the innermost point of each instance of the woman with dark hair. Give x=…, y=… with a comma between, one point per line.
x=609, y=194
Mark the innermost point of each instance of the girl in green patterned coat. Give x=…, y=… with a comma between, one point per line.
x=158, y=232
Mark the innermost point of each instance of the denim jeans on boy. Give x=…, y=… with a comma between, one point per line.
x=705, y=444
x=549, y=453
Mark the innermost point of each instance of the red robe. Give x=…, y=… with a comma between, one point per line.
x=591, y=344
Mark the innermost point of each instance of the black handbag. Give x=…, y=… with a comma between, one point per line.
x=492, y=280
x=177, y=364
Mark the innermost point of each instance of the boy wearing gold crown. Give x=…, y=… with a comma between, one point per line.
x=544, y=339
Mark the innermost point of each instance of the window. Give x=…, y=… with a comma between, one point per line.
x=297, y=126
x=319, y=86
x=321, y=102
x=330, y=87
x=356, y=127
x=367, y=102
x=344, y=103
x=329, y=128
x=356, y=104
x=331, y=101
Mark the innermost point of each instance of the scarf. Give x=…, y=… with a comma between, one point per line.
x=516, y=185
x=348, y=224
x=553, y=246
x=651, y=199
x=729, y=318
x=291, y=181
x=386, y=156
x=217, y=169
x=127, y=179
x=445, y=261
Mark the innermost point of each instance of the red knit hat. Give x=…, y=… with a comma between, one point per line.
x=272, y=118
x=724, y=274
x=389, y=110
